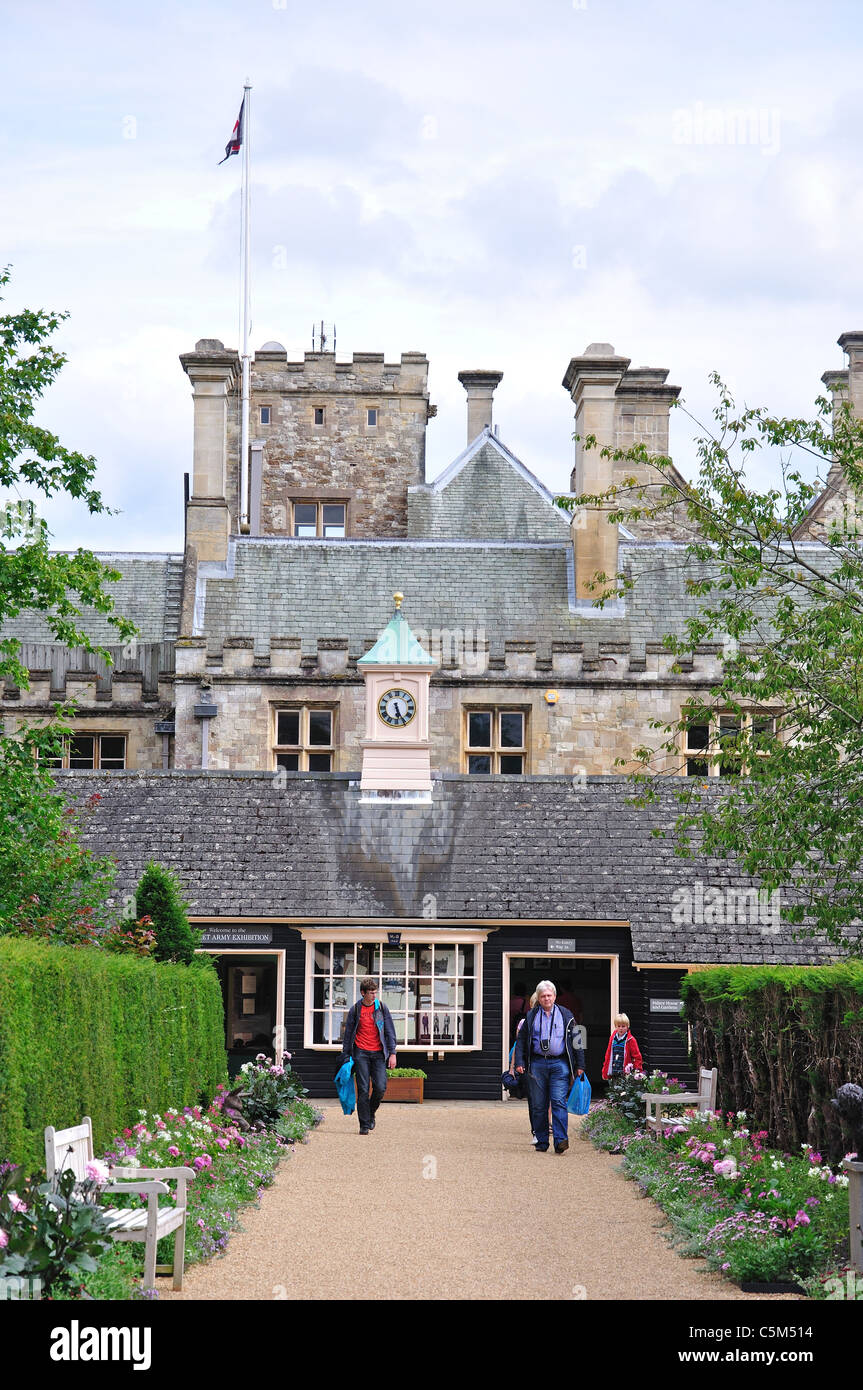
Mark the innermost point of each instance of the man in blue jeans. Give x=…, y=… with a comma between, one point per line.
x=370, y=1038
x=545, y=1048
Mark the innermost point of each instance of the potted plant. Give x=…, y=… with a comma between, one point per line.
x=405, y=1084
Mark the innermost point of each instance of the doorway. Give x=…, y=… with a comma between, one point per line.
x=250, y=993
x=584, y=986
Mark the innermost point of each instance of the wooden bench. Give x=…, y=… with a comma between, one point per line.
x=704, y=1100
x=73, y=1148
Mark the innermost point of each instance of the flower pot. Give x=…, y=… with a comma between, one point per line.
x=405, y=1088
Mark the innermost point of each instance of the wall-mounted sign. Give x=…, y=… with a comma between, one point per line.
x=564, y=944
x=394, y=938
x=237, y=936
x=666, y=1006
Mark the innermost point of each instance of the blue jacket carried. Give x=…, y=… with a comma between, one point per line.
x=385, y=1027
x=347, y=1091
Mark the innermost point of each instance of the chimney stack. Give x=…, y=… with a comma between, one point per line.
x=852, y=345
x=592, y=381
x=480, y=387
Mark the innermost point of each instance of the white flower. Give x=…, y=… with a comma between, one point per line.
x=842, y=1181
x=741, y=1115
x=777, y=1163
x=813, y=1172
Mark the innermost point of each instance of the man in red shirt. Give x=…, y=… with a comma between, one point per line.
x=370, y=1038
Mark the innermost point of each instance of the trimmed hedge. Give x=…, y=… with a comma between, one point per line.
x=784, y=1039
x=83, y=1032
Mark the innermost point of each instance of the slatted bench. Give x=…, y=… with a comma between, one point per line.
x=703, y=1100
x=73, y=1148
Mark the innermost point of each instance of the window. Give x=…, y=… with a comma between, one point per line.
x=326, y=519
x=319, y=414
x=265, y=414
x=372, y=416
x=432, y=991
x=707, y=734
x=495, y=741
x=105, y=752
x=304, y=739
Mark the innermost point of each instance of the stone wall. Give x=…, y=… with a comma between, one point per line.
x=371, y=466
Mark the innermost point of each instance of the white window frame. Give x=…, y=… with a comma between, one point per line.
x=712, y=754
x=410, y=936
x=304, y=747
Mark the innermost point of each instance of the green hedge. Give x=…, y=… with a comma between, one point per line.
x=83, y=1032
x=784, y=1039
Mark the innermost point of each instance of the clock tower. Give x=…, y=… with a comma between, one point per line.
x=397, y=673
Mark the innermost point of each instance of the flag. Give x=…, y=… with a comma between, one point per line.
x=236, y=140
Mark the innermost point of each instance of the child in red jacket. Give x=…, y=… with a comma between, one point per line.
x=622, y=1054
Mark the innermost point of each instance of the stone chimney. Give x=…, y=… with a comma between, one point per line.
x=212, y=371
x=592, y=381
x=852, y=345
x=480, y=387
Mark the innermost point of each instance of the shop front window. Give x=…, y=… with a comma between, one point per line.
x=432, y=990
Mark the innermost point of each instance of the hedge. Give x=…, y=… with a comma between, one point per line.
x=784, y=1039
x=83, y=1032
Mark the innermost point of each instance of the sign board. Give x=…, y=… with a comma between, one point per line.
x=237, y=936
x=666, y=1006
x=565, y=944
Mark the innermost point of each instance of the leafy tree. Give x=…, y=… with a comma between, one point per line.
x=159, y=897
x=48, y=884
x=789, y=620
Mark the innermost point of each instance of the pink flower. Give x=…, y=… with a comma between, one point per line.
x=174, y=1151
x=223, y=1143
x=15, y=1202
x=203, y=1161
x=726, y=1168
x=802, y=1219
x=679, y=1129
x=4, y=1239
x=97, y=1171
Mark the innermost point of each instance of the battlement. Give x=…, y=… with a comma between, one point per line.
x=461, y=656
x=320, y=371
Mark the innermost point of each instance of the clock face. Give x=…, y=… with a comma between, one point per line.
x=397, y=708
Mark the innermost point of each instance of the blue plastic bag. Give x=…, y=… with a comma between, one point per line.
x=345, y=1086
x=578, y=1102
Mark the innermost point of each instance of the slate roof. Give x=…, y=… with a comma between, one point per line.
x=487, y=848
x=147, y=592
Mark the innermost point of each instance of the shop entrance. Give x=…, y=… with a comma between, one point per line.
x=250, y=992
x=583, y=986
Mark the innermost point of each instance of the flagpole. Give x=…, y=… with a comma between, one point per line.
x=246, y=368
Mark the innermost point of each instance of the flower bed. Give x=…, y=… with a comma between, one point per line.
x=233, y=1166
x=754, y=1213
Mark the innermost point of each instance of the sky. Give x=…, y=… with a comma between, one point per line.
x=495, y=184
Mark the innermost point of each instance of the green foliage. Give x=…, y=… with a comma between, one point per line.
x=88, y=1033
x=49, y=885
x=269, y=1087
x=624, y=1093
x=32, y=460
x=789, y=621
x=54, y=1231
x=415, y=1072
x=159, y=897
x=784, y=1039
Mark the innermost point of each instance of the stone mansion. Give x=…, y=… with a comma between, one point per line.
x=229, y=738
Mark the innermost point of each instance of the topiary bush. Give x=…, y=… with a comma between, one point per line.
x=159, y=897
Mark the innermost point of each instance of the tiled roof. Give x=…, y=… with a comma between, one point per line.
x=540, y=848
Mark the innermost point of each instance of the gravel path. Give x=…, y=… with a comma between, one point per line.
x=448, y=1198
